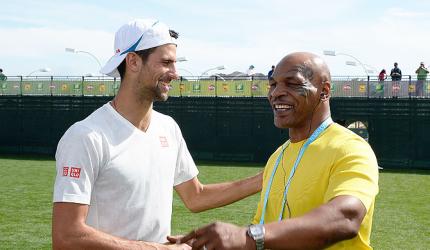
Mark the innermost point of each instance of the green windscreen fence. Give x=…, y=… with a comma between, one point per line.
x=11, y=87
x=59, y=86
x=220, y=88
x=39, y=86
x=224, y=129
x=67, y=87
x=211, y=87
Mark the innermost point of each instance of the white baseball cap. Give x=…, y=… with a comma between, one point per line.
x=136, y=35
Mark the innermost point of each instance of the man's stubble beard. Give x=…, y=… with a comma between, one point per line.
x=158, y=94
x=151, y=93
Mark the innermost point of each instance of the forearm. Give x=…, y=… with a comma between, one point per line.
x=318, y=229
x=221, y=194
x=85, y=237
x=297, y=234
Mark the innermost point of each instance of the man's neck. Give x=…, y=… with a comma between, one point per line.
x=304, y=132
x=136, y=111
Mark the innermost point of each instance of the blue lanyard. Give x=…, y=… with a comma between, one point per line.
x=311, y=139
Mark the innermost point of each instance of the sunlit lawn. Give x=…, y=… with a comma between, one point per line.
x=401, y=220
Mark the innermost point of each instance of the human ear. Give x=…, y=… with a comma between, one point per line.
x=133, y=62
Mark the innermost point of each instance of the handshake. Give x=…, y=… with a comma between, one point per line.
x=217, y=235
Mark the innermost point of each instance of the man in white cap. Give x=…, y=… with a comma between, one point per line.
x=117, y=168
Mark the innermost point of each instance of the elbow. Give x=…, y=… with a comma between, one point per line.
x=63, y=241
x=347, y=235
x=194, y=207
x=352, y=219
x=349, y=230
x=63, y=238
x=196, y=210
x=196, y=202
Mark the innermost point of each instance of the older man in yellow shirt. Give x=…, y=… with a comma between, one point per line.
x=319, y=187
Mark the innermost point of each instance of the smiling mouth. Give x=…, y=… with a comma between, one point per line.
x=164, y=85
x=282, y=107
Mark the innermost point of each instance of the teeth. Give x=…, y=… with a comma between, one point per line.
x=283, y=106
x=164, y=85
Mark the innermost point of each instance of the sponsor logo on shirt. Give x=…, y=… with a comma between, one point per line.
x=163, y=141
x=75, y=172
x=65, y=171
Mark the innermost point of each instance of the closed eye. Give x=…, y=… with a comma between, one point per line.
x=296, y=85
x=167, y=62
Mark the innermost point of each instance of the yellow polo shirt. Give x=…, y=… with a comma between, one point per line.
x=338, y=162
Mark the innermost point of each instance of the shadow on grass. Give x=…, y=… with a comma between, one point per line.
x=27, y=157
x=230, y=164
x=406, y=171
x=35, y=157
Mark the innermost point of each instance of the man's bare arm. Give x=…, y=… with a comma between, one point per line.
x=338, y=220
x=69, y=231
x=335, y=221
x=199, y=197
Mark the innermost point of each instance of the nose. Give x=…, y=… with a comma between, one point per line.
x=173, y=72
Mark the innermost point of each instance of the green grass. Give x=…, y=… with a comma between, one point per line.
x=240, y=212
x=401, y=220
x=25, y=203
x=402, y=213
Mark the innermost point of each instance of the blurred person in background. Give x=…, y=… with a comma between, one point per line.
x=396, y=73
x=379, y=88
x=396, y=77
x=3, y=77
x=270, y=73
x=422, y=73
x=382, y=75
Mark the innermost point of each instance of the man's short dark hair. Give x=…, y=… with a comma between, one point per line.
x=144, y=54
x=1, y=70
x=174, y=34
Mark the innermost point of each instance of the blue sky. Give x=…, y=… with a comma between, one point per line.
x=235, y=34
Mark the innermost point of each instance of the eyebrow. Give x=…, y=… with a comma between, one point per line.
x=296, y=80
x=297, y=76
x=167, y=60
x=292, y=78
